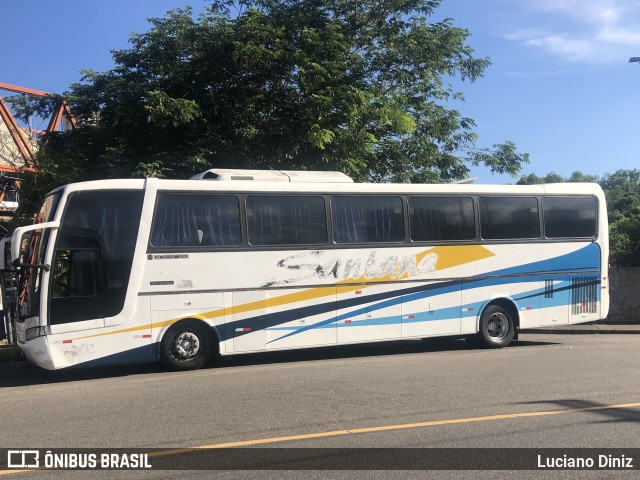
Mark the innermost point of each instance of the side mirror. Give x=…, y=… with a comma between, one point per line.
x=17, y=238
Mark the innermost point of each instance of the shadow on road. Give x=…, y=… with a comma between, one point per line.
x=27, y=374
x=406, y=347
x=608, y=413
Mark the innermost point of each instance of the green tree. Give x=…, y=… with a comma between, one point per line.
x=361, y=87
x=579, y=177
x=533, y=179
x=622, y=189
x=553, y=177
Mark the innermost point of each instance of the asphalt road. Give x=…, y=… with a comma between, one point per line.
x=545, y=391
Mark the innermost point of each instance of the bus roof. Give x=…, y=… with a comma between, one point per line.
x=283, y=186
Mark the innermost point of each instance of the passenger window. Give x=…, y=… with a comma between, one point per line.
x=196, y=220
x=367, y=219
x=570, y=217
x=503, y=218
x=441, y=218
x=286, y=220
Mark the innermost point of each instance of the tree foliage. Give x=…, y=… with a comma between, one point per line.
x=361, y=87
x=533, y=179
x=623, y=202
x=622, y=191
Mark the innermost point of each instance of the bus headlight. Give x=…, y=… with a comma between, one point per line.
x=35, y=332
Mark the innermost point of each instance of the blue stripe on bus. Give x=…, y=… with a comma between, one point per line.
x=442, y=314
x=587, y=258
x=448, y=313
x=425, y=292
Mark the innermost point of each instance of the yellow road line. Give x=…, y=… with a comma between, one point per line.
x=382, y=428
x=334, y=433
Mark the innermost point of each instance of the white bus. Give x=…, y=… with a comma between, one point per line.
x=121, y=271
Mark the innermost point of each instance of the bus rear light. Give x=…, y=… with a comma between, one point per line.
x=67, y=341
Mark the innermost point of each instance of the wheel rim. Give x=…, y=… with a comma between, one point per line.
x=498, y=326
x=185, y=345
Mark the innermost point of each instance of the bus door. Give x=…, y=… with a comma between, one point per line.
x=90, y=270
x=79, y=299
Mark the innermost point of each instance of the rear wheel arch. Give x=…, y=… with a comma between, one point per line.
x=508, y=305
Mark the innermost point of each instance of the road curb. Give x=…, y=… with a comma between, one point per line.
x=581, y=331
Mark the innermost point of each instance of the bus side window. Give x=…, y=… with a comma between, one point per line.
x=196, y=220
x=570, y=217
x=367, y=219
x=505, y=218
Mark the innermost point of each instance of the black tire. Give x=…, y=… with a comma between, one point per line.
x=497, y=327
x=186, y=345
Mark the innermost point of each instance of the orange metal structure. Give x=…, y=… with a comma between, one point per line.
x=22, y=146
x=19, y=136
x=61, y=109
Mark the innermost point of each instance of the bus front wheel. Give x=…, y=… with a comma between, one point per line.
x=186, y=346
x=497, y=327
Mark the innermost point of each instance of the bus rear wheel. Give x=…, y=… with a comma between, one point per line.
x=497, y=327
x=186, y=346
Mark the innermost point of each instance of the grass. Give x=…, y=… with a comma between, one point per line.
x=10, y=354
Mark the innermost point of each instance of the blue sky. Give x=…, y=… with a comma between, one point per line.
x=560, y=85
